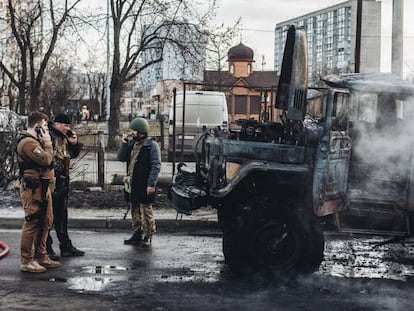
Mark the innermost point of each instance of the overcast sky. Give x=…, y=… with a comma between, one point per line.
x=259, y=18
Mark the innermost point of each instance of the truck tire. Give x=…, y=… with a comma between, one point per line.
x=231, y=243
x=276, y=245
x=314, y=248
x=233, y=251
x=234, y=240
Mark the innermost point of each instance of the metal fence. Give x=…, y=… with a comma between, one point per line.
x=10, y=125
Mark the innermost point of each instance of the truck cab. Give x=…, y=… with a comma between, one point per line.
x=363, y=165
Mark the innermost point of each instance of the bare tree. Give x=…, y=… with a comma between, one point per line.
x=144, y=27
x=96, y=81
x=220, y=40
x=35, y=29
x=57, y=87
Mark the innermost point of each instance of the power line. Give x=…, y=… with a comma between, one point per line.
x=335, y=35
x=258, y=30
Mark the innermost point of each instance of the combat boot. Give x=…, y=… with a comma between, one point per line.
x=51, y=253
x=48, y=263
x=68, y=250
x=33, y=267
x=146, y=241
x=135, y=239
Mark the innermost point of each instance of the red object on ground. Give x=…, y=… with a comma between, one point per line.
x=5, y=248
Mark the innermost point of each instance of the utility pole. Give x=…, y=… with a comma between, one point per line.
x=358, y=37
x=397, y=45
x=107, y=84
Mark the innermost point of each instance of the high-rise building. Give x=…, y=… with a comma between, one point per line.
x=332, y=38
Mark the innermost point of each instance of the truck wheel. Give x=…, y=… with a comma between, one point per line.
x=234, y=243
x=314, y=248
x=276, y=245
x=232, y=249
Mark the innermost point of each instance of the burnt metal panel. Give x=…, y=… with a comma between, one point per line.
x=293, y=82
x=373, y=217
x=331, y=173
x=374, y=82
x=262, y=151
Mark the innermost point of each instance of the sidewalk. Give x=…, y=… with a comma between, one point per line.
x=85, y=169
x=167, y=220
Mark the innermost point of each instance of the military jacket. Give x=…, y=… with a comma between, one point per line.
x=34, y=158
x=144, y=163
x=62, y=148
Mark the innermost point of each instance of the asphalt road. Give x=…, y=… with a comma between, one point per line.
x=187, y=272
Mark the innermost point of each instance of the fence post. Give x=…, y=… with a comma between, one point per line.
x=101, y=162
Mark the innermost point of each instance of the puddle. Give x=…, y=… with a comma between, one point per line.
x=207, y=273
x=94, y=284
x=58, y=280
x=104, y=269
x=97, y=278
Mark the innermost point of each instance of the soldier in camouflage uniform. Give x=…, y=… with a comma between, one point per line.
x=143, y=157
x=35, y=155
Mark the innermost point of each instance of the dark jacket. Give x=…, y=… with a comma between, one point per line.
x=146, y=170
x=73, y=150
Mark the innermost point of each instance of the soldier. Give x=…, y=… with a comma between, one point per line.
x=65, y=147
x=143, y=158
x=35, y=155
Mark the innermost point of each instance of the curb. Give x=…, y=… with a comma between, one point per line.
x=109, y=223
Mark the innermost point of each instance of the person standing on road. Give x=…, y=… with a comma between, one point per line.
x=143, y=158
x=65, y=147
x=35, y=158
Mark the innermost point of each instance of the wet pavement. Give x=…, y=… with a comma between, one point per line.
x=186, y=271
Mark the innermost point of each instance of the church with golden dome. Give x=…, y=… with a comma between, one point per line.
x=250, y=93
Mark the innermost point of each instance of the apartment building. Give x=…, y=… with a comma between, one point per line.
x=331, y=34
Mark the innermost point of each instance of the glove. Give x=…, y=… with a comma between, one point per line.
x=127, y=184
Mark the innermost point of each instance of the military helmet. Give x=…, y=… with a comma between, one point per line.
x=139, y=124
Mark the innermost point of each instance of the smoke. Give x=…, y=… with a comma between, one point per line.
x=383, y=140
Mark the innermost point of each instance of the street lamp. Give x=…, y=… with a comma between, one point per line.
x=265, y=115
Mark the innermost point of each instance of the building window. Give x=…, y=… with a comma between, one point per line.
x=229, y=99
x=255, y=104
x=249, y=68
x=231, y=69
x=240, y=104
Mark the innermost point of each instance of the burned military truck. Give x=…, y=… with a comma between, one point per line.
x=349, y=166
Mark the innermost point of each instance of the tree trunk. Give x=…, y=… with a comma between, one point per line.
x=21, y=99
x=34, y=100
x=114, y=115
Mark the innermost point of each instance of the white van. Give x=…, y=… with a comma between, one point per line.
x=203, y=110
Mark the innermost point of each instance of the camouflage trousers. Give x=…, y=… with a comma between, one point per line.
x=143, y=219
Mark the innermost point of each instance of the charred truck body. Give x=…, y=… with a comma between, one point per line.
x=274, y=184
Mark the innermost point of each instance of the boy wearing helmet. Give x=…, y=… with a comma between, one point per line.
x=143, y=158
